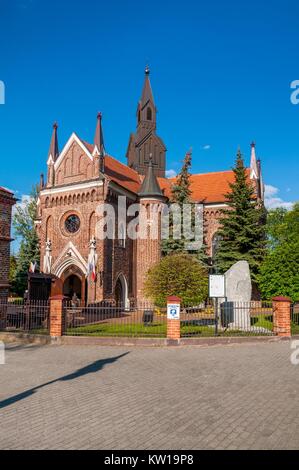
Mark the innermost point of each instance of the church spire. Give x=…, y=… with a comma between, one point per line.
x=150, y=186
x=53, y=150
x=98, y=138
x=147, y=94
x=99, y=147
x=253, y=162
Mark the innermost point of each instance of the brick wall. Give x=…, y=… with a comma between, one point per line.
x=6, y=202
x=66, y=198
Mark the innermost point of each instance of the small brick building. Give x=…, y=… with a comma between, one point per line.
x=83, y=177
x=7, y=200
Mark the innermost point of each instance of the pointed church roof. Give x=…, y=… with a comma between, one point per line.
x=150, y=186
x=147, y=94
x=98, y=138
x=53, y=150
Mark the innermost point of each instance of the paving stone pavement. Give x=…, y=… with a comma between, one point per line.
x=91, y=397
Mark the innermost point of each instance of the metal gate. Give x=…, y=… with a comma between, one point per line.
x=295, y=318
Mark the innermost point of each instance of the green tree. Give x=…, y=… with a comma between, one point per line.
x=181, y=195
x=280, y=270
x=24, y=227
x=178, y=274
x=242, y=233
x=274, y=227
x=12, y=272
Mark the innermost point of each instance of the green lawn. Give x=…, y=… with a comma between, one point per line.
x=118, y=329
x=159, y=330
x=263, y=321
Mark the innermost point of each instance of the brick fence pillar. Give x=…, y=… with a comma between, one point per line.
x=57, y=315
x=173, y=318
x=282, y=316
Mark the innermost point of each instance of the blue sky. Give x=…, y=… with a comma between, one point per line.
x=220, y=72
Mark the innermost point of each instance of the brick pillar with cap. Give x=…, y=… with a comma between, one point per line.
x=173, y=324
x=282, y=316
x=57, y=315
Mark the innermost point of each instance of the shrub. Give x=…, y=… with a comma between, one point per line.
x=178, y=274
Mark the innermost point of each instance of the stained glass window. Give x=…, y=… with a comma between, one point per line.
x=72, y=223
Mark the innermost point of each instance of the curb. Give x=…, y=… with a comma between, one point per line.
x=28, y=338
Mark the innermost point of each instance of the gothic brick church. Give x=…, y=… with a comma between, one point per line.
x=83, y=176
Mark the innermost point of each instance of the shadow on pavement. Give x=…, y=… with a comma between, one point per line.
x=90, y=369
x=26, y=346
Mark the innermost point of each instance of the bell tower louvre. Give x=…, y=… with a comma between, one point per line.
x=145, y=141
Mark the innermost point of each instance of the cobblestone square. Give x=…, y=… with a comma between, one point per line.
x=90, y=397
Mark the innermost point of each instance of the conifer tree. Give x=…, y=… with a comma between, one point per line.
x=242, y=233
x=181, y=194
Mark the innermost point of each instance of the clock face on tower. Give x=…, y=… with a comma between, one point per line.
x=72, y=223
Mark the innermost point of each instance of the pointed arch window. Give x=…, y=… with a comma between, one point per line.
x=149, y=114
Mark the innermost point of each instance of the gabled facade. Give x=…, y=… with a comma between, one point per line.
x=82, y=178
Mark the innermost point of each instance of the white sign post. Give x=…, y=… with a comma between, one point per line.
x=216, y=286
x=216, y=291
x=173, y=311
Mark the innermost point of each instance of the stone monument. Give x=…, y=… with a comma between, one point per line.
x=236, y=309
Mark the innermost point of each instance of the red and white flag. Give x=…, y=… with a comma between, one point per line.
x=94, y=273
x=92, y=266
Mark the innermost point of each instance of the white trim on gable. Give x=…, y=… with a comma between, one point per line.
x=71, y=187
x=253, y=174
x=50, y=159
x=95, y=151
x=73, y=138
x=69, y=256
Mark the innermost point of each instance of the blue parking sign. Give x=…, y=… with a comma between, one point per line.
x=173, y=311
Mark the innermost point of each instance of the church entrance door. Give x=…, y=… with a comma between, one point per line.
x=119, y=297
x=72, y=285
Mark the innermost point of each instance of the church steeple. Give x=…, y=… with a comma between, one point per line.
x=146, y=110
x=145, y=141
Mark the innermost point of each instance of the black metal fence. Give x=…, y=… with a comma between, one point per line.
x=108, y=318
x=24, y=316
x=227, y=319
x=144, y=319
x=295, y=318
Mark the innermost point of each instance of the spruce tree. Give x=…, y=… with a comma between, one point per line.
x=242, y=233
x=181, y=194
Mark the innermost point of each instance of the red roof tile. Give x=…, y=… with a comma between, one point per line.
x=119, y=172
x=122, y=174
x=206, y=187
